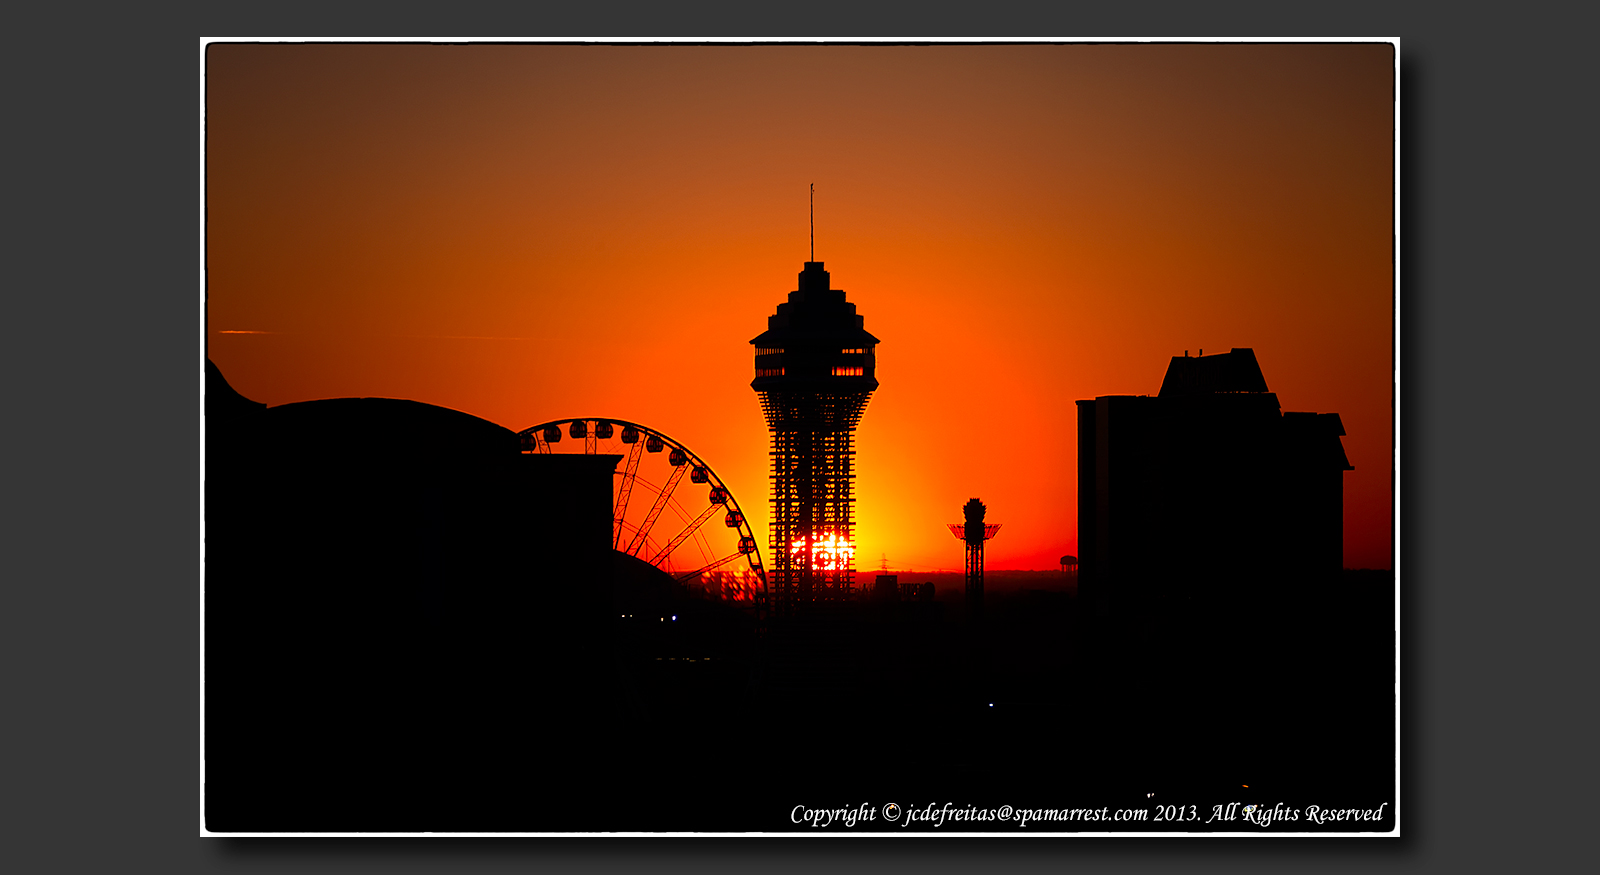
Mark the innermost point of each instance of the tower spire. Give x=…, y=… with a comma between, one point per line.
x=813, y=221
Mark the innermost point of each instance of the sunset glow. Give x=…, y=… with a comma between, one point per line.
x=829, y=552
x=530, y=232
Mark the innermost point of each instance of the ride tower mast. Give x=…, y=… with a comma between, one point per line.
x=973, y=532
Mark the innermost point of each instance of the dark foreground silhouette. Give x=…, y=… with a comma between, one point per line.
x=412, y=626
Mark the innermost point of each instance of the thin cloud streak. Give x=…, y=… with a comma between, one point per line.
x=402, y=336
x=454, y=337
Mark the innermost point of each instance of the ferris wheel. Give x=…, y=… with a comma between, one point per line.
x=675, y=529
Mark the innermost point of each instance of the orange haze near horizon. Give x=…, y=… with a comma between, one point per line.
x=528, y=233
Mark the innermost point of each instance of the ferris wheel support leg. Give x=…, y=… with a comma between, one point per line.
x=624, y=491
x=702, y=570
x=655, y=509
x=687, y=531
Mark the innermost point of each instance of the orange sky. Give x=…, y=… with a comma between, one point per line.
x=530, y=232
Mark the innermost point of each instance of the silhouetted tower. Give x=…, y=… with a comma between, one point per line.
x=973, y=533
x=814, y=373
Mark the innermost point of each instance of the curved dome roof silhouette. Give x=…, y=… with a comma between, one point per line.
x=370, y=425
x=379, y=425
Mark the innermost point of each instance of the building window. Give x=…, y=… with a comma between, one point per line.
x=849, y=372
x=853, y=351
x=769, y=372
x=769, y=350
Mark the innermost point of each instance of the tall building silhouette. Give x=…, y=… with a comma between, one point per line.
x=1207, y=496
x=815, y=369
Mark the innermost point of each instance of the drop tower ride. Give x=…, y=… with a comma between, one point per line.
x=814, y=373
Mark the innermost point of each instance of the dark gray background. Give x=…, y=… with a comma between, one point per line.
x=103, y=347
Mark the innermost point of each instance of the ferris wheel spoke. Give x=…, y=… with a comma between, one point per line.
x=649, y=543
x=655, y=509
x=687, y=531
x=624, y=491
x=702, y=570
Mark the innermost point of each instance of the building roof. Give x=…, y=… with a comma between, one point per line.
x=222, y=401
x=815, y=314
x=1232, y=371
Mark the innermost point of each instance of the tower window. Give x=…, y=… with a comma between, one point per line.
x=849, y=371
x=769, y=350
x=769, y=372
x=853, y=351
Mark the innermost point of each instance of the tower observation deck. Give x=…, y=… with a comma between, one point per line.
x=815, y=369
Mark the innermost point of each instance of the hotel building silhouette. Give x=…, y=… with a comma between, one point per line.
x=1206, y=499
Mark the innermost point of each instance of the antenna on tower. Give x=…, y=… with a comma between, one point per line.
x=813, y=221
